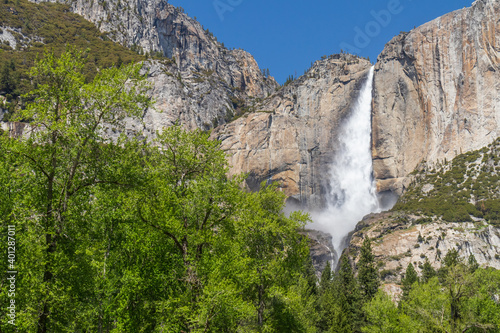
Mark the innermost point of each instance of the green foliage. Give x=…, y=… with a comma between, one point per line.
x=383, y=316
x=349, y=318
x=57, y=27
x=489, y=209
x=452, y=258
x=470, y=177
x=339, y=301
x=423, y=220
x=64, y=160
x=464, y=301
x=409, y=279
x=8, y=80
x=265, y=72
x=472, y=263
x=289, y=80
x=428, y=272
x=367, y=272
x=420, y=239
x=125, y=236
x=326, y=277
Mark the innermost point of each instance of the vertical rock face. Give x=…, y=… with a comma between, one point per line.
x=197, y=86
x=436, y=92
x=321, y=250
x=292, y=136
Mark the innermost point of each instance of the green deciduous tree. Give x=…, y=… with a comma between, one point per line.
x=126, y=236
x=275, y=255
x=427, y=306
x=188, y=200
x=461, y=300
x=63, y=157
x=383, y=315
x=240, y=262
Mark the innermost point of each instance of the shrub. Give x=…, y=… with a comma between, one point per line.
x=386, y=273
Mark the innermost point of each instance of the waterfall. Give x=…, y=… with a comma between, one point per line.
x=353, y=193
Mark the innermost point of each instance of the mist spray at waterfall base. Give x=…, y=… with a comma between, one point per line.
x=352, y=194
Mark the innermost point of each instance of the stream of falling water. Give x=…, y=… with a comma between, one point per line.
x=353, y=193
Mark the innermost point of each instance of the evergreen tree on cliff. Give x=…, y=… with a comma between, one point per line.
x=348, y=317
x=367, y=273
x=409, y=279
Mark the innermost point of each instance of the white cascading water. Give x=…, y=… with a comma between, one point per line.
x=353, y=193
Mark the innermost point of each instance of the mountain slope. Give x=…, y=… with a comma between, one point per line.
x=26, y=30
x=455, y=206
x=436, y=92
x=196, y=80
x=157, y=27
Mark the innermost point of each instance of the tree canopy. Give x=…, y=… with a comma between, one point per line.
x=116, y=234
x=122, y=235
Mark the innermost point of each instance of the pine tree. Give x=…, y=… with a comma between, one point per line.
x=420, y=239
x=428, y=271
x=119, y=62
x=409, y=279
x=367, y=273
x=12, y=65
x=472, y=263
x=327, y=300
x=452, y=258
x=349, y=315
x=6, y=82
x=326, y=277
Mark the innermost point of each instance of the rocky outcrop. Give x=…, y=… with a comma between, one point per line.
x=455, y=206
x=321, y=250
x=15, y=129
x=436, y=92
x=396, y=242
x=158, y=27
x=292, y=135
x=195, y=100
x=198, y=78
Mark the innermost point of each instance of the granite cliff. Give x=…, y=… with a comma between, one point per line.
x=200, y=83
x=436, y=93
x=291, y=137
x=452, y=206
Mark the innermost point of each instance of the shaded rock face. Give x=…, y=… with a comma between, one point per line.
x=321, y=250
x=395, y=242
x=197, y=85
x=15, y=129
x=436, y=92
x=292, y=136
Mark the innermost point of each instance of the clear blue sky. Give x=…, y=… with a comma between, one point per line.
x=286, y=36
